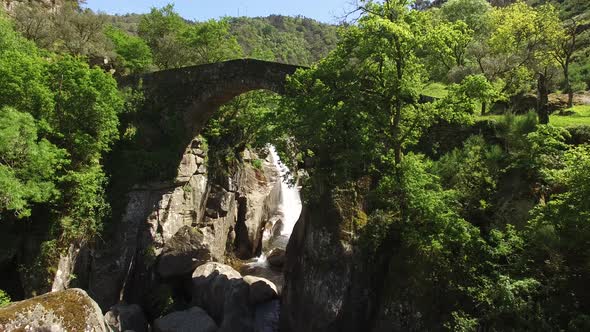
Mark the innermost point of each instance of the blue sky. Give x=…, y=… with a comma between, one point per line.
x=323, y=10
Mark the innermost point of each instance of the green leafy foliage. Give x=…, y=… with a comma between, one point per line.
x=70, y=29
x=28, y=166
x=4, y=299
x=244, y=122
x=59, y=117
x=472, y=12
x=558, y=237
x=176, y=43
x=133, y=54
x=473, y=172
x=294, y=40
x=358, y=109
x=210, y=42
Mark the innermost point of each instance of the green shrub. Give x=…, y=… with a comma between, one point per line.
x=4, y=299
x=257, y=163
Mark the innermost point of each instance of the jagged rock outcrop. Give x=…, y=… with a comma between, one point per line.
x=194, y=319
x=324, y=287
x=170, y=228
x=126, y=317
x=186, y=250
x=154, y=213
x=220, y=220
x=259, y=197
x=69, y=310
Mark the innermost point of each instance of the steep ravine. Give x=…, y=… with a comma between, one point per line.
x=194, y=249
x=169, y=251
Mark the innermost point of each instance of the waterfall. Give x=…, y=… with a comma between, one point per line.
x=290, y=203
x=286, y=215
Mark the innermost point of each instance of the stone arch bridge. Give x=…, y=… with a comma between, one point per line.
x=197, y=92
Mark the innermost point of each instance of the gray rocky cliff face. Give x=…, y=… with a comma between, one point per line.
x=325, y=283
x=259, y=197
x=170, y=228
x=331, y=285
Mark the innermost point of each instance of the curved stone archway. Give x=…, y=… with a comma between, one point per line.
x=198, y=91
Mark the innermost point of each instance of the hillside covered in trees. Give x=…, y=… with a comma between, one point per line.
x=441, y=149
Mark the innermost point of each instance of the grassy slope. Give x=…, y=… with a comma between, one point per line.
x=580, y=118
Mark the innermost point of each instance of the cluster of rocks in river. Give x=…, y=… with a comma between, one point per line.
x=222, y=300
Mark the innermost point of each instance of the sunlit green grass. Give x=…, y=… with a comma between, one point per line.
x=580, y=118
x=435, y=89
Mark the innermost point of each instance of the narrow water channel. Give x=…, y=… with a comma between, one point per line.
x=278, y=228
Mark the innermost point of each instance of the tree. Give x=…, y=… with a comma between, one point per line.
x=477, y=87
x=86, y=106
x=358, y=109
x=133, y=53
x=176, y=43
x=447, y=44
x=80, y=32
x=34, y=22
x=472, y=12
x=557, y=241
x=28, y=166
x=68, y=29
x=210, y=42
x=564, y=47
x=523, y=35
x=160, y=29
x=59, y=117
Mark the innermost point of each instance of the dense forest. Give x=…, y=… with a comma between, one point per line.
x=453, y=137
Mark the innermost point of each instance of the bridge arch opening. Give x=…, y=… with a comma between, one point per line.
x=156, y=186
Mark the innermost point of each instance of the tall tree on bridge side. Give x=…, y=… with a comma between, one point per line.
x=359, y=107
x=177, y=43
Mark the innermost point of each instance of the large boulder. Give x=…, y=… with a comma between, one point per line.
x=220, y=290
x=126, y=317
x=186, y=250
x=69, y=310
x=194, y=319
x=261, y=290
x=276, y=258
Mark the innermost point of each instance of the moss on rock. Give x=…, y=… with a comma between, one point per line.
x=69, y=310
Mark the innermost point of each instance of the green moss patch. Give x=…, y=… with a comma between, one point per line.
x=72, y=306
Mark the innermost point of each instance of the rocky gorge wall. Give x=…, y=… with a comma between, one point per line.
x=332, y=284
x=325, y=284
x=170, y=228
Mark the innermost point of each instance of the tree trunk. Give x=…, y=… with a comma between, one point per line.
x=483, y=108
x=543, y=99
x=568, y=86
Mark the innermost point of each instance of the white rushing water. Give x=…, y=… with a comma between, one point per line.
x=287, y=213
x=276, y=235
x=290, y=204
